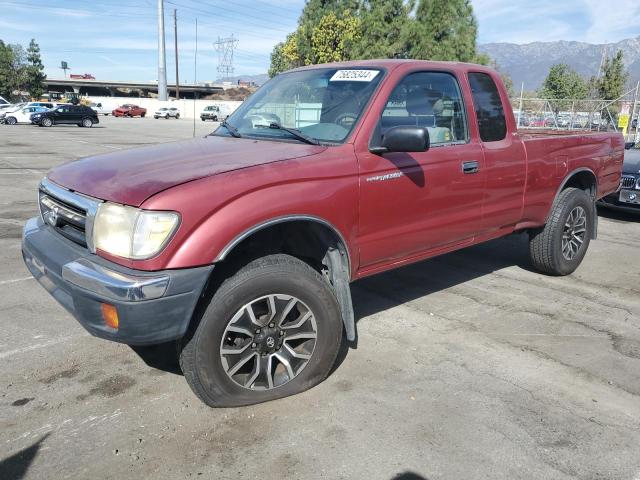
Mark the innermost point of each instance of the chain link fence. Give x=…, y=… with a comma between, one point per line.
x=621, y=114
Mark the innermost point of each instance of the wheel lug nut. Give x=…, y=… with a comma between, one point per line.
x=271, y=325
x=281, y=333
x=257, y=330
x=253, y=345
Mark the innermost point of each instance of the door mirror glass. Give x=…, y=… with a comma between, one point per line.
x=404, y=139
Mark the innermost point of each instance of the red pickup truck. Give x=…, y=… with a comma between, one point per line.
x=241, y=245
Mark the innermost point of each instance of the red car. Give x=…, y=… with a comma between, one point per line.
x=129, y=110
x=241, y=245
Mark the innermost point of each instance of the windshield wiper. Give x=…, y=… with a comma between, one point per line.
x=296, y=133
x=232, y=130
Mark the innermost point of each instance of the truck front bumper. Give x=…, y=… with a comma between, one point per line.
x=153, y=307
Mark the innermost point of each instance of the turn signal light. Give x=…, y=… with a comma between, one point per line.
x=110, y=315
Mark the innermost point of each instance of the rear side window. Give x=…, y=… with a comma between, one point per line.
x=489, y=109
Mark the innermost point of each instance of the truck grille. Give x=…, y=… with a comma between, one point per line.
x=69, y=213
x=629, y=182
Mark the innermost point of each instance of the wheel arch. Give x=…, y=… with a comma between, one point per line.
x=311, y=239
x=585, y=179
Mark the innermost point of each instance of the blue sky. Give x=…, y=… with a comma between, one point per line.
x=117, y=39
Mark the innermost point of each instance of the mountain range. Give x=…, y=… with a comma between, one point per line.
x=530, y=62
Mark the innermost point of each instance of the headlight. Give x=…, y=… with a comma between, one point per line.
x=132, y=233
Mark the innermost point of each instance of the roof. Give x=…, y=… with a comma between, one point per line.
x=391, y=64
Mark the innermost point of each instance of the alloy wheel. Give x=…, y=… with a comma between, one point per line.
x=268, y=342
x=574, y=233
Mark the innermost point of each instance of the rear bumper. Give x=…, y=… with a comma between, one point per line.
x=153, y=307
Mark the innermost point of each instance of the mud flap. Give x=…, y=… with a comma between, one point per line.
x=339, y=278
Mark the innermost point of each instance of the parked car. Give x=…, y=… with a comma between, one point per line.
x=66, y=114
x=100, y=109
x=628, y=198
x=23, y=115
x=129, y=110
x=210, y=112
x=167, y=112
x=241, y=245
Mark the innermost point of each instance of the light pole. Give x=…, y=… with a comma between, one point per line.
x=162, y=58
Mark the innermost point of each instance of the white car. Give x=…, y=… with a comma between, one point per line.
x=166, y=112
x=23, y=115
x=100, y=108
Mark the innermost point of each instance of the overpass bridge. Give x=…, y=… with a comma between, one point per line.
x=116, y=88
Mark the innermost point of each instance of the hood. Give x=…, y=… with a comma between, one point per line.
x=132, y=176
x=631, y=162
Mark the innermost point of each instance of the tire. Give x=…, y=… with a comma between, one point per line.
x=87, y=123
x=46, y=122
x=215, y=118
x=554, y=249
x=11, y=121
x=142, y=115
x=204, y=120
x=177, y=116
x=200, y=355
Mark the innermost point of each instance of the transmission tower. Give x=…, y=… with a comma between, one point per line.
x=225, y=48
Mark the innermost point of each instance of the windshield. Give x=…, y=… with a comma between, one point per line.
x=323, y=103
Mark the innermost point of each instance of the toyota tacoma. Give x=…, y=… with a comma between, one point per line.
x=240, y=246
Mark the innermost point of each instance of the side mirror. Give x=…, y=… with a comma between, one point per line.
x=403, y=139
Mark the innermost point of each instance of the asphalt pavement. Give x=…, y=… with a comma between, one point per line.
x=468, y=366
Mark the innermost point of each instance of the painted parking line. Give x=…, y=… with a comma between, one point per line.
x=15, y=280
x=38, y=346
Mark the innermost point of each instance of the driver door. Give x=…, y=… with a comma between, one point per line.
x=415, y=203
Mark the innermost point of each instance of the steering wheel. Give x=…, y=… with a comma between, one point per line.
x=346, y=120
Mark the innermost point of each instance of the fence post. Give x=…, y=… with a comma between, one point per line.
x=633, y=112
x=520, y=106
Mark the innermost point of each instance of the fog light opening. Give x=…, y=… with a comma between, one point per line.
x=110, y=315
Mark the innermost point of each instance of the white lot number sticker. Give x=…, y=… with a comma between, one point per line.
x=354, y=75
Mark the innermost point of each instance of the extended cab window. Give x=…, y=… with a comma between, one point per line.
x=488, y=105
x=431, y=100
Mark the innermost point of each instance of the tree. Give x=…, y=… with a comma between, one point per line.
x=332, y=38
x=312, y=13
x=384, y=25
x=11, y=69
x=444, y=30
x=285, y=55
x=34, y=71
x=564, y=83
x=614, y=77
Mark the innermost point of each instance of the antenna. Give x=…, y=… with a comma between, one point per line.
x=225, y=48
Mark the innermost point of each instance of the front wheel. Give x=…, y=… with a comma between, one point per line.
x=560, y=246
x=46, y=122
x=11, y=121
x=177, y=116
x=271, y=330
x=87, y=123
x=142, y=115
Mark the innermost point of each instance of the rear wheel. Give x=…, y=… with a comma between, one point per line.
x=559, y=247
x=271, y=330
x=177, y=116
x=142, y=115
x=46, y=122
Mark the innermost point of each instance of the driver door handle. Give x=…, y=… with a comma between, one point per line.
x=470, y=167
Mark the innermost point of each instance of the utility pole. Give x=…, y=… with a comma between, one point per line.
x=175, y=42
x=162, y=57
